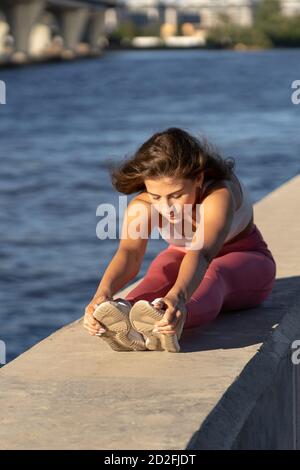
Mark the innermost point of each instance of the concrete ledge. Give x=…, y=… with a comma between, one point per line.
x=259, y=408
x=232, y=387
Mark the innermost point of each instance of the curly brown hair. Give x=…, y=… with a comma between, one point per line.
x=171, y=153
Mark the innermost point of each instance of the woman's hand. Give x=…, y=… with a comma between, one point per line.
x=93, y=326
x=175, y=309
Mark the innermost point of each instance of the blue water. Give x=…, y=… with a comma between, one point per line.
x=63, y=121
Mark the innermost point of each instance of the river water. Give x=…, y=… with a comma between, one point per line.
x=63, y=121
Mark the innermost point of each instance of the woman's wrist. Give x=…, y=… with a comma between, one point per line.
x=179, y=294
x=103, y=294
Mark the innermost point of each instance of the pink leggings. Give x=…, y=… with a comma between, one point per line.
x=241, y=276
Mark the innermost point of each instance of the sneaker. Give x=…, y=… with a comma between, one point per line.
x=119, y=334
x=143, y=316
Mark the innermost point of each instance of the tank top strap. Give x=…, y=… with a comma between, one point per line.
x=207, y=183
x=205, y=186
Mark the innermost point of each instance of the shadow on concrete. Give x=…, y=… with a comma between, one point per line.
x=240, y=328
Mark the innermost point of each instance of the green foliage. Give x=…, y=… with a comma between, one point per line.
x=126, y=29
x=285, y=33
x=267, y=12
x=270, y=29
x=231, y=35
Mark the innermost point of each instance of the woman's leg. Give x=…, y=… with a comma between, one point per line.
x=159, y=278
x=236, y=280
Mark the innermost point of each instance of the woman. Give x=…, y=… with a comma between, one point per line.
x=220, y=262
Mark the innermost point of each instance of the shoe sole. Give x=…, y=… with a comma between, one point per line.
x=117, y=326
x=143, y=316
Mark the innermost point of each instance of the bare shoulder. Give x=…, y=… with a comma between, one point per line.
x=144, y=197
x=140, y=200
x=140, y=208
x=137, y=226
x=226, y=189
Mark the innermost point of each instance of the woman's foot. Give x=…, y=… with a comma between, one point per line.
x=119, y=334
x=143, y=317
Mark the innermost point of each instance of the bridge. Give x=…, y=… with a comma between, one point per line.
x=29, y=23
x=81, y=26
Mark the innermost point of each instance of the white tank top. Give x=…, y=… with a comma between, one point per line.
x=241, y=219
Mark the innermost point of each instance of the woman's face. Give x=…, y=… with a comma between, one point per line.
x=169, y=195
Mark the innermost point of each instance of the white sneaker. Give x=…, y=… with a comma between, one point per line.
x=143, y=316
x=119, y=334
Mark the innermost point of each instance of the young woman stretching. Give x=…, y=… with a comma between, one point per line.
x=196, y=277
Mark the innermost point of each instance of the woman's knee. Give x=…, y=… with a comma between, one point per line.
x=166, y=266
x=205, y=304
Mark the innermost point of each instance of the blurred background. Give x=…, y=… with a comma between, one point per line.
x=47, y=30
x=223, y=69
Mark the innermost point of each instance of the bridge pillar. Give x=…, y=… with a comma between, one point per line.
x=113, y=17
x=4, y=28
x=39, y=39
x=96, y=30
x=21, y=16
x=72, y=23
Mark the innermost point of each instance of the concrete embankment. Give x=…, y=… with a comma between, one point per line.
x=233, y=386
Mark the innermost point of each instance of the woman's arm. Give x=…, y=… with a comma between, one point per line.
x=217, y=218
x=191, y=272
x=127, y=260
x=123, y=267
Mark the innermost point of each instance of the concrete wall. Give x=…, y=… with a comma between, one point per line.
x=260, y=408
